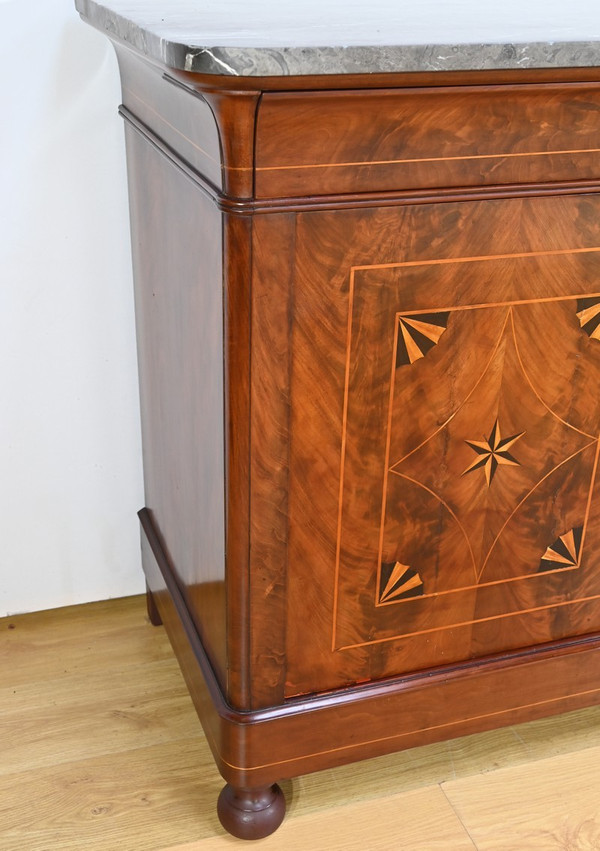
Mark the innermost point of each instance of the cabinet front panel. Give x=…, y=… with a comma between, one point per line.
x=444, y=437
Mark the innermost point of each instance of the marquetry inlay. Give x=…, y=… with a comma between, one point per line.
x=480, y=517
x=492, y=453
x=588, y=313
x=417, y=335
x=400, y=582
x=488, y=449
x=564, y=552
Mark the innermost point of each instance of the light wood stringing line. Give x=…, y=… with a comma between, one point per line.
x=412, y=161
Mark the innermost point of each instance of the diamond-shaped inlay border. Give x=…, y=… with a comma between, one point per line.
x=410, y=283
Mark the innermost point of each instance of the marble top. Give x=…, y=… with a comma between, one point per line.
x=256, y=38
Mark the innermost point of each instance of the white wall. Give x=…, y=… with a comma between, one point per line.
x=70, y=458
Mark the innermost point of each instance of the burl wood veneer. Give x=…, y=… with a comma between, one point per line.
x=369, y=345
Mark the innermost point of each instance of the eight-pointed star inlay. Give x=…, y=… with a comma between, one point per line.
x=493, y=452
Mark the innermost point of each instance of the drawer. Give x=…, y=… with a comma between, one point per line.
x=322, y=143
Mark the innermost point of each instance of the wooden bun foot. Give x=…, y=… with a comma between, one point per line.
x=251, y=813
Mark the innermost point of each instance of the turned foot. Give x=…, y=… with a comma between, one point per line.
x=153, y=615
x=251, y=813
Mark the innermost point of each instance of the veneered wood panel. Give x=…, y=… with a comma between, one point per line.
x=272, y=336
x=179, y=314
x=344, y=142
x=444, y=440
x=237, y=264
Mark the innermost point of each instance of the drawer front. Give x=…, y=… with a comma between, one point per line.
x=321, y=143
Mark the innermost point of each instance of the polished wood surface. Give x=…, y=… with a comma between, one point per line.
x=180, y=345
x=366, y=351
x=270, y=427
x=323, y=142
x=108, y=747
x=357, y=509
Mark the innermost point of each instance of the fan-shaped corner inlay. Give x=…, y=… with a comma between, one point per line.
x=564, y=552
x=588, y=313
x=418, y=334
x=399, y=581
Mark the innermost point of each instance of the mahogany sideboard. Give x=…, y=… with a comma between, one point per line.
x=368, y=317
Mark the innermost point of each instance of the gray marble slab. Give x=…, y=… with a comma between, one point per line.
x=258, y=38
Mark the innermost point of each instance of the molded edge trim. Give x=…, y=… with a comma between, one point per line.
x=245, y=207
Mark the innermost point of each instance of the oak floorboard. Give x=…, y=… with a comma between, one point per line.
x=548, y=805
x=52, y=644
x=130, y=709
x=138, y=800
x=101, y=749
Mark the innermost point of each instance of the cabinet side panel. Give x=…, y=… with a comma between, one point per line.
x=176, y=236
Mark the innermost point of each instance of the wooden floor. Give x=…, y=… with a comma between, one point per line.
x=101, y=750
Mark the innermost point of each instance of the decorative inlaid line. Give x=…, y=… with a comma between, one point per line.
x=499, y=616
x=338, y=543
x=448, y=509
x=172, y=127
x=478, y=585
x=590, y=494
x=479, y=574
x=454, y=413
x=444, y=261
x=413, y=160
x=456, y=723
x=528, y=494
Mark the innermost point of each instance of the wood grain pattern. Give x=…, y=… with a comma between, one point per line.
x=237, y=263
x=272, y=317
x=524, y=807
x=355, y=429
x=179, y=304
x=321, y=143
